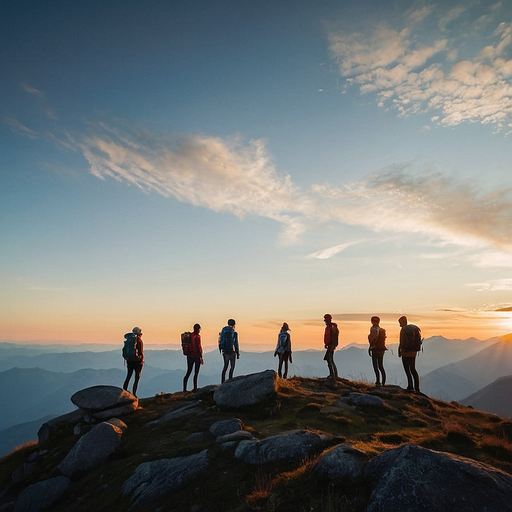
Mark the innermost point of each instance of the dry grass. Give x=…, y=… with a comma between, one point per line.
x=303, y=404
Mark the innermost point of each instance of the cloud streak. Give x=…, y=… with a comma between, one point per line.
x=415, y=69
x=226, y=175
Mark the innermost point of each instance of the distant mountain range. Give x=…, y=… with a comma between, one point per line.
x=37, y=381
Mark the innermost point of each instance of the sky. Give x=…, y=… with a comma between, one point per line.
x=167, y=163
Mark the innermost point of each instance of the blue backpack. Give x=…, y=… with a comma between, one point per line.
x=129, y=347
x=226, y=339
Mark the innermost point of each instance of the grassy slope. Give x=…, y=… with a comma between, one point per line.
x=230, y=485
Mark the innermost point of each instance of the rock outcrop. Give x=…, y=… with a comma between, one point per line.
x=247, y=390
x=104, y=402
x=153, y=480
x=415, y=478
x=91, y=450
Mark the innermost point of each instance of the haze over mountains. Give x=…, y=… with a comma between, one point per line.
x=39, y=380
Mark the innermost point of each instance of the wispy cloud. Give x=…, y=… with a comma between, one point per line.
x=240, y=178
x=415, y=69
x=331, y=251
x=19, y=128
x=495, y=285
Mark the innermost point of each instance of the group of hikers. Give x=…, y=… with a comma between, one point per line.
x=409, y=345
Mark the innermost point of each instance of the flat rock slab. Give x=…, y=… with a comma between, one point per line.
x=103, y=402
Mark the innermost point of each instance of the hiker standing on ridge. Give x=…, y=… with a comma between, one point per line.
x=331, y=336
x=133, y=353
x=194, y=357
x=408, y=348
x=377, y=341
x=284, y=349
x=228, y=346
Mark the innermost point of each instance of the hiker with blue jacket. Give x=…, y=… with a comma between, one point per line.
x=228, y=347
x=408, y=348
x=133, y=353
x=284, y=349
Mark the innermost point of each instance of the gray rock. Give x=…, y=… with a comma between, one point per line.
x=415, y=478
x=362, y=399
x=48, y=427
x=246, y=390
x=179, y=411
x=291, y=446
x=91, y=450
x=240, y=435
x=104, y=402
x=153, y=480
x=42, y=495
x=224, y=427
x=197, y=437
x=342, y=464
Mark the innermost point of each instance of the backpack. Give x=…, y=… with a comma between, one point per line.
x=380, y=342
x=413, y=339
x=130, y=352
x=226, y=339
x=186, y=343
x=282, y=342
x=335, y=333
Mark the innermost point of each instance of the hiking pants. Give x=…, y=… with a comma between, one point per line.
x=229, y=359
x=192, y=362
x=133, y=366
x=410, y=370
x=283, y=358
x=378, y=366
x=333, y=370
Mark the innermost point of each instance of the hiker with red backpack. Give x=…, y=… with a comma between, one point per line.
x=377, y=341
x=133, y=353
x=410, y=345
x=331, y=336
x=194, y=353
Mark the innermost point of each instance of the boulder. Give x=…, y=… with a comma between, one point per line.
x=342, y=464
x=291, y=446
x=246, y=390
x=183, y=409
x=42, y=495
x=104, y=402
x=153, y=480
x=91, y=450
x=46, y=429
x=224, y=427
x=415, y=478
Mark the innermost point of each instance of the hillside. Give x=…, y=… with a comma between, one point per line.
x=301, y=403
x=496, y=397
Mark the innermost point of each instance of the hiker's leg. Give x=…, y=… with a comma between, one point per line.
x=129, y=373
x=197, y=364
x=232, y=365
x=279, y=372
x=381, y=367
x=407, y=367
x=415, y=375
x=190, y=363
x=138, y=371
x=226, y=362
x=285, y=358
x=375, y=364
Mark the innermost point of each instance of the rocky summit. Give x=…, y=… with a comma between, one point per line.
x=263, y=443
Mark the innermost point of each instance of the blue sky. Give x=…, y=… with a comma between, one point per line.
x=166, y=163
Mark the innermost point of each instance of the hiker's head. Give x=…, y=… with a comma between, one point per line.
x=231, y=322
x=402, y=321
x=197, y=328
x=285, y=327
x=137, y=331
x=375, y=320
x=327, y=318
